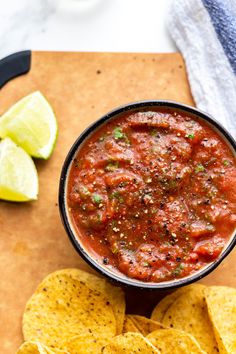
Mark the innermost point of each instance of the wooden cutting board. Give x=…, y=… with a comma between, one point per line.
x=81, y=87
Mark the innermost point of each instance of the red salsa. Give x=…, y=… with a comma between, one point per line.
x=153, y=194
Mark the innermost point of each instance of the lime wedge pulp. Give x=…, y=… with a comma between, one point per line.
x=18, y=175
x=31, y=124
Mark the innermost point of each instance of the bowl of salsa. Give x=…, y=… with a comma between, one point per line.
x=148, y=194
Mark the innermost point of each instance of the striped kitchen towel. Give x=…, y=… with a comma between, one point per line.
x=205, y=33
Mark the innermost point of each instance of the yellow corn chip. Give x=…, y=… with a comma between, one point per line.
x=38, y=348
x=172, y=341
x=129, y=325
x=130, y=343
x=161, y=308
x=63, y=307
x=113, y=293
x=189, y=313
x=85, y=344
x=145, y=325
x=221, y=304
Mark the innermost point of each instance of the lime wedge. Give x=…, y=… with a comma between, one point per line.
x=18, y=175
x=31, y=124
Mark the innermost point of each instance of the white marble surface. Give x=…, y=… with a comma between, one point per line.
x=84, y=25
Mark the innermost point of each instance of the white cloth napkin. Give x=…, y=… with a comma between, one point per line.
x=205, y=33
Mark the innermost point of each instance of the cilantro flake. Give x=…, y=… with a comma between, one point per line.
x=84, y=192
x=112, y=166
x=199, y=168
x=178, y=269
x=118, y=134
x=153, y=132
x=190, y=136
x=97, y=198
x=117, y=195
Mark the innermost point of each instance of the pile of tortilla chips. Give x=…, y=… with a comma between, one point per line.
x=74, y=312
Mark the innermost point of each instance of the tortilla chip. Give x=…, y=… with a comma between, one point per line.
x=129, y=325
x=56, y=351
x=38, y=348
x=32, y=348
x=113, y=293
x=170, y=341
x=221, y=304
x=86, y=344
x=145, y=325
x=189, y=313
x=63, y=307
x=130, y=343
x=159, y=311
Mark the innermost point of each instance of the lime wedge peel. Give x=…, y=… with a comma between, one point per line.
x=18, y=174
x=31, y=124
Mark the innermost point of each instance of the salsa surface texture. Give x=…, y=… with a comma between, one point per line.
x=153, y=194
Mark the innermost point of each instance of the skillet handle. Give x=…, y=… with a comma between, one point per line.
x=14, y=65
